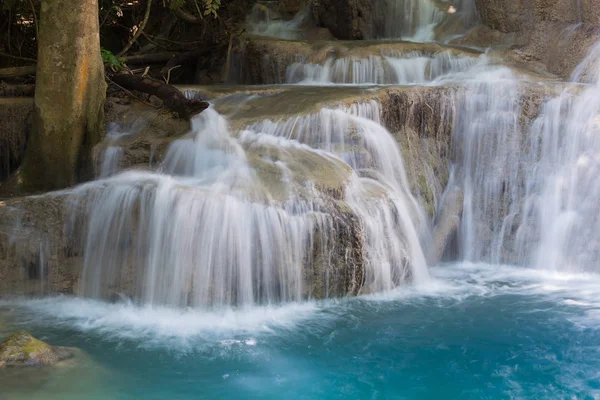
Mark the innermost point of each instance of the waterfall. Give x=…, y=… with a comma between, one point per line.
x=391, y=223
x=207, y=229
x=409, y=19
x=567, y=138
x=392, y=67
x=531, y=189
x=487, y=139
x=265, y=22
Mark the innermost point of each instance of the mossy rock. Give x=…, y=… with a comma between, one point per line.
x=23, y=350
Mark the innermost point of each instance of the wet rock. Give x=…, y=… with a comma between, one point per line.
x=291, y=7
x=345, y=19
x=505, y=15
x=37, y=254
x=446, y=224
x=556, y=33
x=23, y=350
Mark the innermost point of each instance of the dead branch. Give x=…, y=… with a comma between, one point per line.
x=155, y=58
x=172, y=98
x=16, y=72
x=187, y=17
x=183, y=58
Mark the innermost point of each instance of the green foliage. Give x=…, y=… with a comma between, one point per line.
x=212, y=6
x=114, y=63
x=176, y=4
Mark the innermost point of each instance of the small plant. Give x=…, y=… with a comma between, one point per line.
x=212, y=6
x=114, y=63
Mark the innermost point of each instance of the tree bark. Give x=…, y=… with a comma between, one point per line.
x=69, y=96
x=172, y=98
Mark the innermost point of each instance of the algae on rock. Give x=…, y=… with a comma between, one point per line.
x=23, y=350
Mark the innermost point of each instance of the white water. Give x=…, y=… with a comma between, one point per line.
x=390, y=68
x=265, y=22
x=416, y=20
x=207, y=232
x=179, y=330
x=531, y=192
x=356, y=136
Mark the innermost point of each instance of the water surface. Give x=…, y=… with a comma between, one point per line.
x=476, y=331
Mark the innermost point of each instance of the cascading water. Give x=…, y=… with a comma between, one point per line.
x=199, y=234
x=487, y=140
x=265, y=22
x=416, y=20
x=206, y=232
x=355, y=134
x=409, y=19
x=565, y=185
x=531, y=191
x=390, y=68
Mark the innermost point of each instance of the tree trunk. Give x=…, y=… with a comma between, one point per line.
x=69, y=96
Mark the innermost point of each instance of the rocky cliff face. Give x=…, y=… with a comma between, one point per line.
x=556, y=33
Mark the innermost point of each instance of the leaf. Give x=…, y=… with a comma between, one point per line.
x=109, y=58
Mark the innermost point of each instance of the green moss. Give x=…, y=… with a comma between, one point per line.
x=427, y=195
x=22, y=349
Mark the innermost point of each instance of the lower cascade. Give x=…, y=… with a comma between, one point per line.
x=212, y=228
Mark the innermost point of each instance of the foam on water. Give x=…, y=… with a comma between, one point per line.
x=154, y=326
x=160, y=326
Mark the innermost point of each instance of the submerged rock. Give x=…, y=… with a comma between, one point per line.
x=23, y=350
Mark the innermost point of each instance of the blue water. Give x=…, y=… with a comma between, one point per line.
x=475, y=332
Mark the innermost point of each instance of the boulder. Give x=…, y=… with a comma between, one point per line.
x=23, y=350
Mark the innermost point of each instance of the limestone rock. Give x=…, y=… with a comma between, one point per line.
x=23, y=350
x=446, y=223
x=557, y=33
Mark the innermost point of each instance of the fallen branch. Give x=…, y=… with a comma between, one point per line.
x=16, y=72
x=17, y=58
x=21, y=90
x=187, y=17
x=172, y=98
x=155, y=58
x=181, y=59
